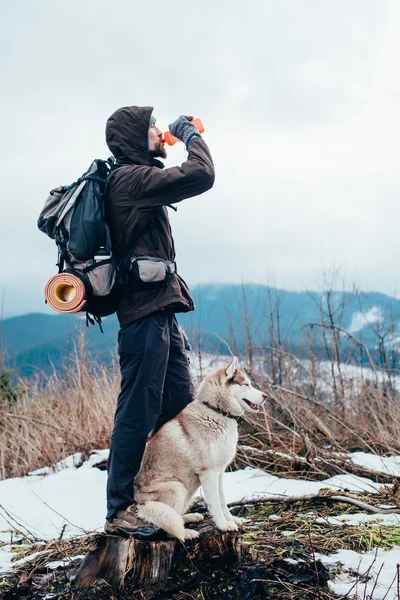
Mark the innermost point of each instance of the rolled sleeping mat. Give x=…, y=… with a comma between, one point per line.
x=66, y=293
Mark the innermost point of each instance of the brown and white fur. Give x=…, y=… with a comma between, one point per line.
x=194, y=449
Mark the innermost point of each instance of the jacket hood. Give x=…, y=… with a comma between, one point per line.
x=127, y=133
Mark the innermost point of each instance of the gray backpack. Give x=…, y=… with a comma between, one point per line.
x=73, y=216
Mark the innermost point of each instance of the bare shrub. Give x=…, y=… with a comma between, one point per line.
x=320, y=406
x=301, y=431
x=65, y=414
x=326, y=403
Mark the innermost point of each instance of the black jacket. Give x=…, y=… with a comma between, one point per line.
x=139, y=194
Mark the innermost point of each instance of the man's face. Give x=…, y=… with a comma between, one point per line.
x=156, y=142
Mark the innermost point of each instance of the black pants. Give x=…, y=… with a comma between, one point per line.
x=155, y=386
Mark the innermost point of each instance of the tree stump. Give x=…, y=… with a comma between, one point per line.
x=148, y=565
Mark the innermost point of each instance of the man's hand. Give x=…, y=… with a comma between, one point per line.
x=183, y=130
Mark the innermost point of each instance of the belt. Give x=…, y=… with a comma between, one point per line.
x=172, y=268
x=168, y=308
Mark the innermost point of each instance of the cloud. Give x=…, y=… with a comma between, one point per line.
x=359, y=320
x=300, y=104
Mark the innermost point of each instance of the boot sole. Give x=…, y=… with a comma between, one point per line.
x=144, y=533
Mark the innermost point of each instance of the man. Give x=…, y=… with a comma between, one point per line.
x=155, y=378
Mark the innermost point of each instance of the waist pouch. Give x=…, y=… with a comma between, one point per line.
x=147, y=272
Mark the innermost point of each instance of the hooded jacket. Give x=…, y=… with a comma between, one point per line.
x=137, y=199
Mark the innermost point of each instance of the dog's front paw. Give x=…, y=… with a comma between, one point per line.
x=227, y=526
x=193, y=518
x=191, y=534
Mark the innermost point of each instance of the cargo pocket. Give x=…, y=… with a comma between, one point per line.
x=149, y=270
x=102, y=278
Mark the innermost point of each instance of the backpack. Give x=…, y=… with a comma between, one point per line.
x=73, y=216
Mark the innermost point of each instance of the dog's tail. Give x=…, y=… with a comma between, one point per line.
x=163, y=516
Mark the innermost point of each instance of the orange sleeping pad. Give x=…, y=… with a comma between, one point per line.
x=66, y=293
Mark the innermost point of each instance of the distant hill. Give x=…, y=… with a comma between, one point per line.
x=36, y=341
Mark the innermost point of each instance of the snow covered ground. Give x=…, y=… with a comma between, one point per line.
x=70, y=499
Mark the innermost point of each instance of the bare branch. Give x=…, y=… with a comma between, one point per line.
x=315, y=498
x=349, y=335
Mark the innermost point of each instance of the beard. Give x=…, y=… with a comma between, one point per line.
x=158, y=152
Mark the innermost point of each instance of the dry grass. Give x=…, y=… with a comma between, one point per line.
x=66, y=414
x=303, y=430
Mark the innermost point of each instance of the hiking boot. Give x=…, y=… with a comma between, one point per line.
x=128, y=523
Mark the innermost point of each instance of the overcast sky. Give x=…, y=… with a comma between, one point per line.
x=300, y=101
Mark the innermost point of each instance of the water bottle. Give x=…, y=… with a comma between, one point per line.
x=171, y=139
x=102, y=254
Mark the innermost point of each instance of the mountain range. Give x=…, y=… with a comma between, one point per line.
x=226, y=314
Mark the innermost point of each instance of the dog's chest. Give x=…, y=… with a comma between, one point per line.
x=223, y=447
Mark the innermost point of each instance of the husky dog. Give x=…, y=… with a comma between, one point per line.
x=194, y=449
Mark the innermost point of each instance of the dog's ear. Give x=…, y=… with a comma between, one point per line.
x=231, y=368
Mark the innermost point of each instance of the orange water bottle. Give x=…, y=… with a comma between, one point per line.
x=171, y=139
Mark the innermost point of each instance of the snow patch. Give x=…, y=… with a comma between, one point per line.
x=379, y=519
x=381, y=464
x=380, y=566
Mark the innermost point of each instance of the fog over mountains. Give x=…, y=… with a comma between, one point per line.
x=224, y=313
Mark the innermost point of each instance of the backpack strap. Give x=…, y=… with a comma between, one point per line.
x=62, y=247
x=92, y=319
x=97, y=178
x=154, y=234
